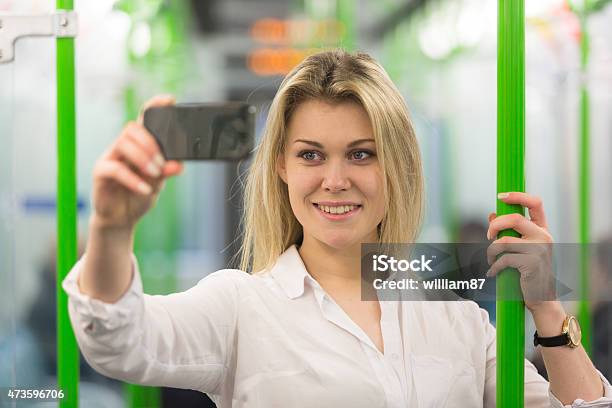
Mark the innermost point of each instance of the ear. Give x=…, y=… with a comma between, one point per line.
x=281, y=168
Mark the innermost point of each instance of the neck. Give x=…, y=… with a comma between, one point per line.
x=332, y=267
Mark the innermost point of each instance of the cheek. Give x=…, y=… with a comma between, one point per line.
x=370, y=184
x=301, y=183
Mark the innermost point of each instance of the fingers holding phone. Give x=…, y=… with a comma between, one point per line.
x=130, y=174
x=169, y=167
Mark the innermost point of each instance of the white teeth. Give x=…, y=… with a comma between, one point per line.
x=337, y=210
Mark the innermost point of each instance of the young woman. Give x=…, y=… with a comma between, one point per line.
x=338, y=166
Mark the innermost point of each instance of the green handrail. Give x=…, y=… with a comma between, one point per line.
x=584, y=315
x=67, y=350
x=510, y=177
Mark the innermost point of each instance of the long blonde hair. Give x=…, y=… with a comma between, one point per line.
x=269, y=225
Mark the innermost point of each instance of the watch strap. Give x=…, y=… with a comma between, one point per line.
x=560, y=340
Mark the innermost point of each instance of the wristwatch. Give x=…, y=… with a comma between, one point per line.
x=570, y=335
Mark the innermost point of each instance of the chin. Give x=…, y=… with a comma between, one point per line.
x=339, y=241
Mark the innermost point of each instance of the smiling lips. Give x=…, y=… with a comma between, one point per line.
x=337, y=210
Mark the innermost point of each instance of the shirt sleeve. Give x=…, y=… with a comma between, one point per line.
x=181, y=340
x=537, y=389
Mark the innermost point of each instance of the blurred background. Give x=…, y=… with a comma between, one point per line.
x=441, y=55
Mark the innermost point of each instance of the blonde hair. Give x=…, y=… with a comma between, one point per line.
x=269, y=225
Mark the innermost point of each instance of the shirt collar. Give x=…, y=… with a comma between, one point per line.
x=290, y=272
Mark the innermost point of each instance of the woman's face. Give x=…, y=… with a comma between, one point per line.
x=332, y=173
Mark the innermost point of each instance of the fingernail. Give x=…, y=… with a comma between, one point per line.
x=144, y=188
x=488, y=272
x=159, y=160
x=153, y=170
x=503, y=195
x=488, y=235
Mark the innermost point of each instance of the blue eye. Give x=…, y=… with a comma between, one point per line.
x=308, y=155
x=359, y=154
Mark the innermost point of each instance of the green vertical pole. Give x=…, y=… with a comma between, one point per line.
x=584, y=316
x=345, y=13
x=510, y=177
x=67, y=350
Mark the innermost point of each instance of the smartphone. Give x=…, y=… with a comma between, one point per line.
x=203, y=131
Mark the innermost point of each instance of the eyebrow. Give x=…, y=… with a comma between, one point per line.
x=319, y=145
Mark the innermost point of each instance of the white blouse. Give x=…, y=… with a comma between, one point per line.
x=276, y=339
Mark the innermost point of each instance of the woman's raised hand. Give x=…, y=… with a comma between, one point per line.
x=531, y=254
x=129, y=175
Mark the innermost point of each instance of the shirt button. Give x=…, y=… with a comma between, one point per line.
x=394, y=356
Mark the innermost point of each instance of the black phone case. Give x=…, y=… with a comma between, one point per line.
x=221, y=131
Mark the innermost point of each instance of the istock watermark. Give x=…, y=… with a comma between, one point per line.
x=443, y=271
x=383, y=263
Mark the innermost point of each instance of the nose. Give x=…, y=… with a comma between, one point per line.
x=336, y=177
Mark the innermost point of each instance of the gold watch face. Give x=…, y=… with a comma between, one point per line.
x=574, y=331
